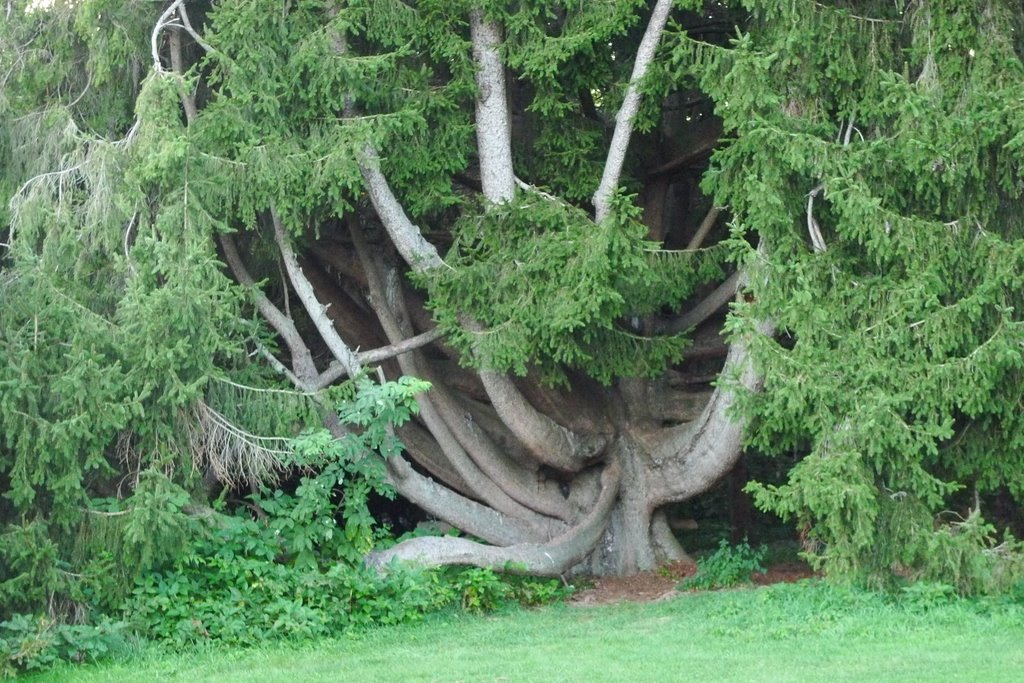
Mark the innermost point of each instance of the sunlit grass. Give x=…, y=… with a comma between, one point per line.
x=805, y=632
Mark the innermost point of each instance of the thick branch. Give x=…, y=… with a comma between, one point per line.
x=520, y=484
x=549, y=442
x=547, y=559
x=415, y=249
x=697, y=454
x=705, y=228
x=479, y=481
x=422, y=448
x=493, y=128
x=627, y=112
x=706, y=308
x=472, y=517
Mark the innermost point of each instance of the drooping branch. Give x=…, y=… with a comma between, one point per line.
x=540, y=559
x=493, y=123
x=627, y=112
x=235, y=455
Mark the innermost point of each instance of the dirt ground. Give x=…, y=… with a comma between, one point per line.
x=660, y=584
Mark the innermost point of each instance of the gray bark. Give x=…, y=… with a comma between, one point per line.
x=544, y=559
x=302, y=359
x=549, y=442
x=317, y=311
x=493, y=127
x=627, y=112
x=415, y=249
x=696, y=455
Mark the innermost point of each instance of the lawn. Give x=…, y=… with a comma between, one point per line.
x=803, y=632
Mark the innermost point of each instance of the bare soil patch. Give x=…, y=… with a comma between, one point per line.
x=660, y=584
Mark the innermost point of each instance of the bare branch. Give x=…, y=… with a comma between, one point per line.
x=817, y=241
x=302, y=359
x=183, y=13
x=627, y=112
x=420, y=254
x=521, y=484
x=337, y=370
x=705, y=228
x=165, y=20
x=706, y=308
x=317, y=311
x=154, y=38
x=493, y=127
x=696, y=454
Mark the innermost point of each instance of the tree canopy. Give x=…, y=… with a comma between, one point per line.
x=621, y=240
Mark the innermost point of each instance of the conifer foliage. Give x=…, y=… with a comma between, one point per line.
x=567, y=217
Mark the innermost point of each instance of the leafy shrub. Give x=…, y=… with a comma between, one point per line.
x=925, y=595
x=248, y=582
x=727, y=566
x=28, y=642
x=481, y=590
x=532, y=591
x=247, y=599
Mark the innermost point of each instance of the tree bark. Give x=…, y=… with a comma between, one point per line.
x=540, y=559
x=493, y=127
x=627, y=112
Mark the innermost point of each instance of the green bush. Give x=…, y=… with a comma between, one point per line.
x=727, y=566
x=284, y=578
x=28, y=643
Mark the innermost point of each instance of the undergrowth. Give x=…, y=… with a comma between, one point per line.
x=726, y=567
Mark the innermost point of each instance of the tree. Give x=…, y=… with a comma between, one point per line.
x=505, y=199
x=896, y=290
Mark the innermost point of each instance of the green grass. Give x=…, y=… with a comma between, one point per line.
x=805, y=632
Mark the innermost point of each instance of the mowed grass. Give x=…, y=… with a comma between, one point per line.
x=801, y=633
